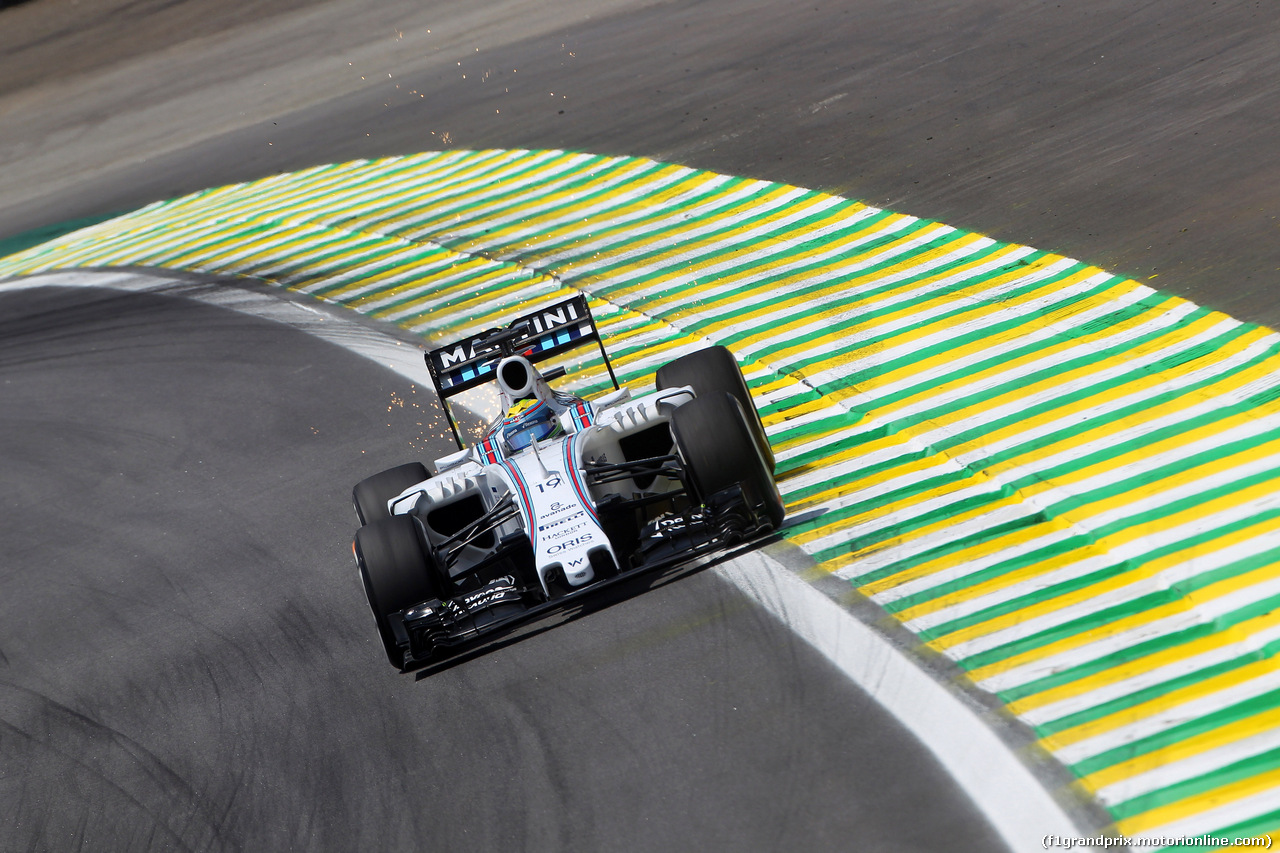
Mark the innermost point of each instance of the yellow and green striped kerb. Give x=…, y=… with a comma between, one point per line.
x=1065, y=481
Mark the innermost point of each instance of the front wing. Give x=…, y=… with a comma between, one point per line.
x=436, y=630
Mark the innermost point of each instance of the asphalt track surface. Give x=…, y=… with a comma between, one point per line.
x=185, y=656
x=188, y=662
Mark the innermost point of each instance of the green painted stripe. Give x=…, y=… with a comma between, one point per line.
x=610, y=278
x=466, y=207
x=1140, y=697
x=1136, y=652
x=28, y=240
x=1266, y=824
x=1240, y=770
x=1118, y=489
x=621, y=230
x=1224, y=716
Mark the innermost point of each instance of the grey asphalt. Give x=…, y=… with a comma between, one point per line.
x=187, y=661
x=184, y=656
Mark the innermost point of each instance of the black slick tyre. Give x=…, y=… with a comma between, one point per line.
x=396, y=573
x=711, y=372
x=371, y=494
x=713, y=436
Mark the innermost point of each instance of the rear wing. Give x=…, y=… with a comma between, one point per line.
x=538, y=336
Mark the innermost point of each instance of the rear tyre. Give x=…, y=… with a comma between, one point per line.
x=713, y=436
x=397, y=572
x=371, y=494
x=711, y=372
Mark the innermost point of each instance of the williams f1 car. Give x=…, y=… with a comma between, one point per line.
x=562, y=495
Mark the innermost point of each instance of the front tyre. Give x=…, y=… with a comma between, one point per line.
x=371, y=494
x=715, y=442
x=711, y=372
x=396, y=571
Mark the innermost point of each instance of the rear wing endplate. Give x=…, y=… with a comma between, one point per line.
x=538, y=336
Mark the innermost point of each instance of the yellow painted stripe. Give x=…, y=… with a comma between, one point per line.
x=693, y=268
x=567, y=202
x=1220, y=388
x=970, y=296
x=1184, y=749
x=1207, y=593
x=660, y=242
x=1126, y=668
x=1227, y=794
x=1082, y=515
x=653, y=205
x=1156, y=706
x=782, y=306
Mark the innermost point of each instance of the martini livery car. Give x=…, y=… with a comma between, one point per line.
x=562, y=495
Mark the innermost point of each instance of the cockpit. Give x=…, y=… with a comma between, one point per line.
x=528, y=421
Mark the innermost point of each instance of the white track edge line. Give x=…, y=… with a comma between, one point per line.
x=1002, y=787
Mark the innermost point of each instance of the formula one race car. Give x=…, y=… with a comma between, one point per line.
x=562, y=495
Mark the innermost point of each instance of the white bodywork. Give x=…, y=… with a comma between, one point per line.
x=556, y=507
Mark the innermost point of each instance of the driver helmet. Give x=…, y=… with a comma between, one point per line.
x=528, y=421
